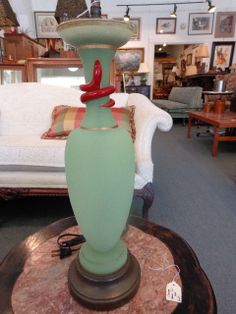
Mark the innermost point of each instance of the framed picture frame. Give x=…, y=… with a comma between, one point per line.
x=128, y=59
x=136, y=21
x=200, y=23
x=189, y=59
x=166, y=25
x=225, y=24
x=222, y=54
x=45, y=24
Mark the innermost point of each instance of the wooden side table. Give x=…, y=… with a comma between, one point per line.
x=225, y=120
x=198, y=295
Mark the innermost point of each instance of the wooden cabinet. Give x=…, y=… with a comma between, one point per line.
x=21, y=47
x=141, y=89
x=67, y=72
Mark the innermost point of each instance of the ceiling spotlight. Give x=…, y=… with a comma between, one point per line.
x=173, y=14
x=126, y=16
x=211, y=8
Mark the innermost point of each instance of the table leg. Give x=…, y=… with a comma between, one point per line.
x=215, y=141
x=189, y=126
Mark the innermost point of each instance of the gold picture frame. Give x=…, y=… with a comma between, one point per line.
x=189, y=59
x=128, y=59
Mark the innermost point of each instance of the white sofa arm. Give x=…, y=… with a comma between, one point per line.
x=148, y=117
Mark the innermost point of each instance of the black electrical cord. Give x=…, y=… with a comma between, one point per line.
x=65, y=246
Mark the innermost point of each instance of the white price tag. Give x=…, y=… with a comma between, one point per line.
x=173, y=292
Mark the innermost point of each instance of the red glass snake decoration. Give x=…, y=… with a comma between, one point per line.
x=93, y=90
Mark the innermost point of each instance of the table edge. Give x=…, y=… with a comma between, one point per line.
x=209, y=120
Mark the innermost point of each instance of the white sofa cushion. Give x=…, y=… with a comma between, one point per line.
x=31, y=151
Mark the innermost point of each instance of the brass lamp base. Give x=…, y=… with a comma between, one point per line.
x=104, y=292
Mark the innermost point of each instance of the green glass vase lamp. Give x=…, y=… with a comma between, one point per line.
x=99, y=163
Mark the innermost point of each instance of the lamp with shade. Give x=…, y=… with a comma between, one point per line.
x=202, y=52
x=143, y=70
x=176, y=70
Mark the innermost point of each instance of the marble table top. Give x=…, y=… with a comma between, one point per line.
x=42, y=286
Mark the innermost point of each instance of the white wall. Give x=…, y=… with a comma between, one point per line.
x=43, y=5
x=24, y=10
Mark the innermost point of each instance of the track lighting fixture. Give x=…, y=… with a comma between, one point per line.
x=173, y=14
x=126, y=16
x=211, y=8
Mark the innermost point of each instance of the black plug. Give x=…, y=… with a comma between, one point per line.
x=62, y=252
x=65, y=251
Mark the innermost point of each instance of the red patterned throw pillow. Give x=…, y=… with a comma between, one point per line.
x=66, y=118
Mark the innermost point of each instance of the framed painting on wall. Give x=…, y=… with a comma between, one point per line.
x=222, y=55
x=136, y=22
x=45, y=25
x=200, y=23
x=225, y=24
x=128, y=59
x=189, y=59
x=166, y=25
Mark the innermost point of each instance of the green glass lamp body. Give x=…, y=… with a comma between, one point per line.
x=99, y=159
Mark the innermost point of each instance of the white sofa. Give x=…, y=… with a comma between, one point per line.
x=30, y=165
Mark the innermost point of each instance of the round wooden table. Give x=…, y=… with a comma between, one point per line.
x=197, y=293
